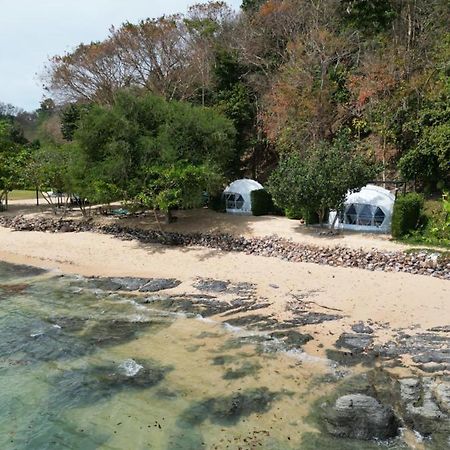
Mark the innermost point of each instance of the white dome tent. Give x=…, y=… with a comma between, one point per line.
x=237, y=196
x=369, y=209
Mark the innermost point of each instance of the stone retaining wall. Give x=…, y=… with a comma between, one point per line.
x=422, y=263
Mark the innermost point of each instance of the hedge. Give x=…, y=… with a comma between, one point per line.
x=407, y=214
x=217, y=203
x=262, y=202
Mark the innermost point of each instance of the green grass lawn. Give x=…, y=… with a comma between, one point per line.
x=22, y=195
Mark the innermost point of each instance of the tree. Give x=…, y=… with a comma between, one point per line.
x=427, y=156
x=308, y=99
x=169, y=56
x=181, y=185
x=70, y=118
x=13, y=154
x=47, y=169
x=251, y=6
x=288, y=73
x=368, y=16
x=8, y=111
x=320, y=180
x=115, y=149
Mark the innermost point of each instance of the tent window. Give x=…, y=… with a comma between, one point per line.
x=350, y=215
x=364, y=215
x=378, y=217
x=234, y=201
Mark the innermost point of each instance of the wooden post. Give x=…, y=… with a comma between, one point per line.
x=37, y=196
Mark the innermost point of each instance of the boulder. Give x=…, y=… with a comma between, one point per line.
x=424, y=405
x=358, y=416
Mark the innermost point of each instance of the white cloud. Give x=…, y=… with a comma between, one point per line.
x=33, y=30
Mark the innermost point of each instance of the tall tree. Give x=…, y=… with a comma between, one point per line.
x=320, y=179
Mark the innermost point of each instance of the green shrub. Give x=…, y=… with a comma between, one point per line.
x=293, y=213
x=407, y=214
x=308, y=215
x=262, y=202
x=217, y=203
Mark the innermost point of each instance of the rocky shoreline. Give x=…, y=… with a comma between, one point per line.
x=421, y=263
x=374, y=405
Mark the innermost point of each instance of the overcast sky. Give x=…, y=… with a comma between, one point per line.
x=33, y=30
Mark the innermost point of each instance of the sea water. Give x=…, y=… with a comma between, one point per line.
x=81, y=368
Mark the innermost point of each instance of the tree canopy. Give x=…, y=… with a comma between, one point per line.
x=320, y=179
x=117, y=150
x=13, y=156
x=242, y=92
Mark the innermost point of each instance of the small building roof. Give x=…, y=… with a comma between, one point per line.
x=243, y=185
x=373, y=195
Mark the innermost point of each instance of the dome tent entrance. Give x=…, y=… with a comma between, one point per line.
x=238, y=196
x=369, y=209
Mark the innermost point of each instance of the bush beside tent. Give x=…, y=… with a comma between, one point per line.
x=262, y=202
x=407, y=214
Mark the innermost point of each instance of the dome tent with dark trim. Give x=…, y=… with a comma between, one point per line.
x=369, y=209
x=238, y=196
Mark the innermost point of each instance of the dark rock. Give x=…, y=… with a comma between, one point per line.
x=442, y=329
x=437, y=356
x=212, y=285
x=421, y=402
x=37, y=340
x=246, y=369
x=292, y=339
x=259, y=321
x=160, y=284
x=114, y=332
x=220, y=286
x=113, y=284
x=228, y=410
x=361, y=328
x=358, y=416
x=130, y=284
x=11, y=271
x=69, y=324
x=429, y=351
x=96, y=383
x=311, y=318
x=222, y=360
x=205, y=306
x=357, y=343
x=348, y=358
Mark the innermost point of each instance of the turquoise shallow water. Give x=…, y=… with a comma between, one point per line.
x=84, y=369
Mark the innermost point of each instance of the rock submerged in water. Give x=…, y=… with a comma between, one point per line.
x=160, y=284
x=132, y=284
x=358, y=416
x=425, y=404
x=228, y=410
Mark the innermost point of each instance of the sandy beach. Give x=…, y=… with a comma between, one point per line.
x=386, y=300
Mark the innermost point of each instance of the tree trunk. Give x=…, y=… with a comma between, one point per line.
x=321, y=214
x=169, y=217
